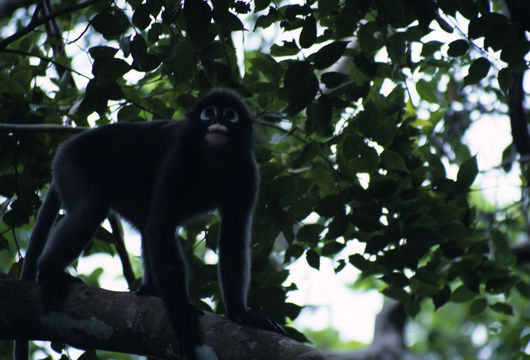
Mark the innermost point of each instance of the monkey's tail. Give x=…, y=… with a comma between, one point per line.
x=45, y=219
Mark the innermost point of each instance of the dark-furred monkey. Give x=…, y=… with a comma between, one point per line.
x=156, y=175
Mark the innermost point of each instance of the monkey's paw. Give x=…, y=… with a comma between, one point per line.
x=55, y=286
x=248, y=318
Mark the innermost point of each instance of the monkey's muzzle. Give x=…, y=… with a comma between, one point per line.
x=217, y=134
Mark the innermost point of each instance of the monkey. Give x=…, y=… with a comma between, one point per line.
x=156, y=175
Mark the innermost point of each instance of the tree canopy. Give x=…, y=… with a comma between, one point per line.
x=361, y=110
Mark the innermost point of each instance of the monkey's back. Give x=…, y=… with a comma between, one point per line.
x=120, y=163
x=122, y=160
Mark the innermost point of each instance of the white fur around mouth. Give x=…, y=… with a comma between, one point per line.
x=217, y=128
x=217, y=135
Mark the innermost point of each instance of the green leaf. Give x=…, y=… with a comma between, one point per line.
x=329, y=54
x=477, y=71
x=467, y=172
x=478, y=306
x=338, y=226
x=198, y=17
x=462, y=294
x=442, y=297
x=267, y=65
x=109, y=70
x=427, y=91
x=261, y=4
x=359, y=262
x=288, y=48
x=313, y=259
x=505, y=79
x=264, y=21
x=429, y=48
x=319, y=116
x=332, y=248
x=396, y=293
x=326, y=7
x=333, y=79
x=138, y=48
x=310, y=234
x=301, y=84
x=110, y=24
x=515, y=51
x=502, y=308
x=142, y=17
x=309, y=32
x=458, y=48
x=226, y=20
x=128, y=113
x=293, y=252
x=393, y=161
x=412, y=308
x=369, y=43
x=89, y=354
x=486, y=24
x=98, y=52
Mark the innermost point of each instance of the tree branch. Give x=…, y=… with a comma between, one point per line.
x=90, y=317
x=119, y=242
x=519, y=124
x=34, y=23
x=30, y=128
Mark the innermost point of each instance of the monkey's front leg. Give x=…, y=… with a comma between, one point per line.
x=234, y=268
x=168, y=266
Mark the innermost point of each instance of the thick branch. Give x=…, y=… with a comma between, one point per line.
x=120, y=321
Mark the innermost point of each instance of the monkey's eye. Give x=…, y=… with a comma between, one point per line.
x=209, y=113
x=230, y=115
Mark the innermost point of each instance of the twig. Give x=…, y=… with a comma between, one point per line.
x=34, y=23
x=29, y=128
x=46, y=59
x=117, y=231
x=298, y=137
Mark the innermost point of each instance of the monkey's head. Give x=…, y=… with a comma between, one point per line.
x=223, y=117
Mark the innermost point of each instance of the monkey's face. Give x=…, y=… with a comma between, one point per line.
x=219, y=120
x=224, y=119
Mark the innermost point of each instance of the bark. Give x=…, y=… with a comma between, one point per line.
x=91, y=317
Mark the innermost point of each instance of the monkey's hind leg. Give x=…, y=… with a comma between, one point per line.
x=86, y=207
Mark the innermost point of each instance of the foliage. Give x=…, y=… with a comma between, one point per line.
x=359, y=110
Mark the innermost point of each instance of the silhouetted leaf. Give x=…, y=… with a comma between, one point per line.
x=98, y=52
x=458, y=48
x=309, y=32
x=198, y=17
x=110, y=24
x=313, y=259
x=505, y=79
x=477, y=71
x=329, y=54
x=142, y=17
x=226, y=20
x=467, y=172
x=301, y=84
